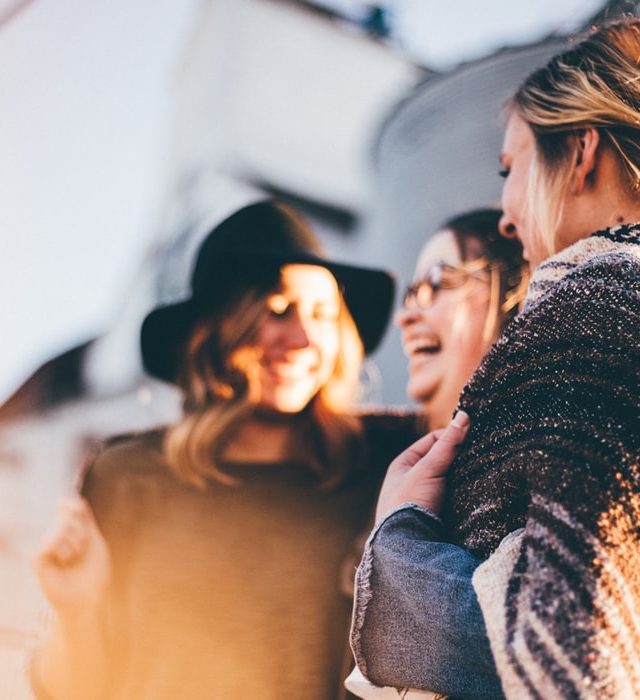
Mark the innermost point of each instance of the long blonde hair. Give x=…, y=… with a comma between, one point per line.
x=595, y=83
x=221, y=391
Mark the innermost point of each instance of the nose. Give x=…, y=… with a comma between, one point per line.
x=507, y=228
x=406, y=315
x=296, y=335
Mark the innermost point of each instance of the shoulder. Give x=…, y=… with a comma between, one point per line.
x=616, y=271
x=127, y=474
x=578, y=340
x=610, y=278
x=598, y=299
x=122, y=459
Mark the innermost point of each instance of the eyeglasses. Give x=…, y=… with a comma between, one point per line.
x=443, y=276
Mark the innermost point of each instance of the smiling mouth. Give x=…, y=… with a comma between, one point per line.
x=421, y=346
x=286, y=374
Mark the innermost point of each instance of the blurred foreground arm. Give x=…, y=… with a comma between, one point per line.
x=74, y=571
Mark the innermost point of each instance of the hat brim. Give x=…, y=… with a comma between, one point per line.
x=368, y=294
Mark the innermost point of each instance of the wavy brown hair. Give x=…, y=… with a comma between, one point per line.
x=596, y=83
x=219, y=381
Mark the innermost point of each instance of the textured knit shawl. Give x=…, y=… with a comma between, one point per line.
x=554, y=449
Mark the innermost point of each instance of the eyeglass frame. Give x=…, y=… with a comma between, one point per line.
x=471, y=270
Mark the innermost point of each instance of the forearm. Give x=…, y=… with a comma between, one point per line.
x=417, y=622
x=72, y=664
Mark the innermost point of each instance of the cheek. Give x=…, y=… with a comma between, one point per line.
x=479, y=332
x=443, y=315
x=457, y=320
x=462, y=320
x=508, y=201
x=514, y=194
x=329, y=345
x=468, y=328
x=265, y=334
x=324, y=340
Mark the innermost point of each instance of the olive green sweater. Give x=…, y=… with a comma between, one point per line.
x=232, y=591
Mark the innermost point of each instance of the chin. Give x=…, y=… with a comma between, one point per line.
x=421, y=392
x=287, y=402
x=289, y=408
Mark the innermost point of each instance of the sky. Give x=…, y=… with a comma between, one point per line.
x=85, y=124
x=443, y=34
x=467, y=29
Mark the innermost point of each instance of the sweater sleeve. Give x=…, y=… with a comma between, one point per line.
x=416, y=619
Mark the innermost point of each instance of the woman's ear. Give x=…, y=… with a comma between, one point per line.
x=587, y=142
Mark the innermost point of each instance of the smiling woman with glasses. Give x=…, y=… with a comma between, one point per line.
x=469, y=281
x=468, y=284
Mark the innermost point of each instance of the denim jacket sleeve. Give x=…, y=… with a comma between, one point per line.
x=416, y=621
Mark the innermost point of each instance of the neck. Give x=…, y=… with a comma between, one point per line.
x=628, y=215
x=262, y=438
x=606, y=201
x=624, y=213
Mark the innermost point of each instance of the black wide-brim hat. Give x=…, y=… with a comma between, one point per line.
x=247, y=250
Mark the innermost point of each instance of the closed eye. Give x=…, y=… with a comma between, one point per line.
x=278, y=305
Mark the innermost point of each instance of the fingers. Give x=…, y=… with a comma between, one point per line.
x=417, y=475
x=71, y=535
x=413, y=453
x=456, y=431
x=452, y=436
x=445, y=448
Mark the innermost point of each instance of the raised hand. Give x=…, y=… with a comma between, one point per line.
x=418, y=475
x=74, y=566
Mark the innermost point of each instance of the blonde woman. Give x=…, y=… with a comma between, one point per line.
x=536, y=544
x=205, y=560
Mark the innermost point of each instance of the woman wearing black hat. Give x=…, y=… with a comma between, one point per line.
x=205, y=560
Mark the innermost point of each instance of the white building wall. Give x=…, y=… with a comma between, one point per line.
x=271, y=92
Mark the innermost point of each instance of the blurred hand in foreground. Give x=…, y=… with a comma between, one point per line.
x=74, y=565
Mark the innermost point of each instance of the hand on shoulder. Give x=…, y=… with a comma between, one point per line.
x=418, y=475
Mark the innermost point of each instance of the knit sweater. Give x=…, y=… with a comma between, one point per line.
x=552, y=457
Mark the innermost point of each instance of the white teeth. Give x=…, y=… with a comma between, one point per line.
x=287, y=371
x=421, y=345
